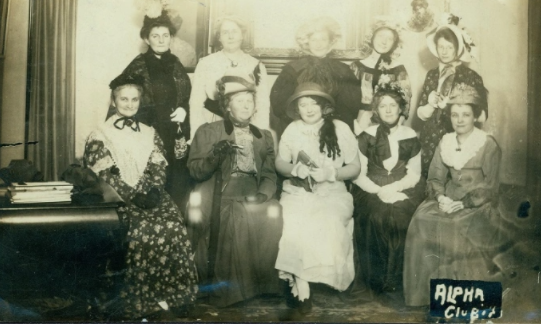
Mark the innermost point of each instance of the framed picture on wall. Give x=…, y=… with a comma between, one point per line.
x=191, y=39
x=3, y=25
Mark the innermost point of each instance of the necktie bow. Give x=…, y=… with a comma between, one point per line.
x=131, y=122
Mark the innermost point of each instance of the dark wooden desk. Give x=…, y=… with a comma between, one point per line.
x=58, y=249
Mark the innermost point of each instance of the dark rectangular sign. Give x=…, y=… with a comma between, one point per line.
x=465, y=299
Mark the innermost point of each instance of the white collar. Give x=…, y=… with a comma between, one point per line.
x=129, y=150
x=402, y=132
x=468, y=149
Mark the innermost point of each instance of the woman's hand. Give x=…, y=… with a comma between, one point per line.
x=300, y=170
x=326, y=173
x=179, y=115
x=389, y=195
x=223, y=148
x=436, y=100
x=259, y=198
x=448, y=205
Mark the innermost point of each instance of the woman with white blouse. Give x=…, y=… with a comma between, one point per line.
x=387, y=191
x=204, y=107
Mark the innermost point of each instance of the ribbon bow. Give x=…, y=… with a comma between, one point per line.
x=131, y=122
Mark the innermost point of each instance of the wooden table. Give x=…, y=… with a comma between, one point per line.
x=57, y=249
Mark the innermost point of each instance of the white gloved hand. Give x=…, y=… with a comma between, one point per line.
x=179, y=115
x=454, y=207
x=434, y=99
x=389, y=195
x=327, y=173
x=300, y=170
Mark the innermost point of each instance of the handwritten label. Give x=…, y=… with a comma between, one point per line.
x=465, y=299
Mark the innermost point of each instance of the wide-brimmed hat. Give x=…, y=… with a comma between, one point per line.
x=303, y=90
x=234, y=81
x=461, y=53
x=463, y=94
x=383, y=22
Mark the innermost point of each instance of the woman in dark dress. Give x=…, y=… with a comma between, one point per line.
x=164, y=103
x=448, y=44
x=241, y=156
x=387, y=191
x=382, y=47
x=129, y=156
x=316, y=39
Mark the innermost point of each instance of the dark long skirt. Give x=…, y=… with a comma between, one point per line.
x=380, y=235
x=247, y=245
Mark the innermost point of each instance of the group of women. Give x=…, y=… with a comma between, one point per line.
x=362, y=198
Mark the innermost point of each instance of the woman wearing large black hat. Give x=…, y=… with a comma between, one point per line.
x=165, y=99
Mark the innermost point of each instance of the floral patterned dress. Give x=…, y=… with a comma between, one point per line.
x=159, y=260
x=439, y=123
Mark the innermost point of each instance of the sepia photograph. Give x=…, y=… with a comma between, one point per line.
x=327, y=161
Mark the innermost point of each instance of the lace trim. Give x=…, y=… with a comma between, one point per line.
x=129, y=150
x=457, y=159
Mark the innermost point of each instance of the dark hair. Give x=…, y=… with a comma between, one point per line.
x=386, y=57
x=218, y=27
x=378, y=97
x=161, y=21
x=327, y=132
x=476, y=109
x=447, y=34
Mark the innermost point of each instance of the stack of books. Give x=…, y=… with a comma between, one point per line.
x=40, y=192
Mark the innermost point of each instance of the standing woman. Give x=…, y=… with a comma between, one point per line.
x=129, y=156
x=316, y=38
x=458, y=230
x=316, y=153
x=383, y=45
x=452, y=47
x=164, y=103
x=387, y=191
x=229, y=35
x=250, y=224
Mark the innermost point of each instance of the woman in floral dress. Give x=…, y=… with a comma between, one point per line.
x=129, y=156
x=448, y=43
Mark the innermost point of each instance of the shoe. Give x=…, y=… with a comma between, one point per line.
x=304, y=307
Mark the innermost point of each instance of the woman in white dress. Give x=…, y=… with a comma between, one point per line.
x=204, y=106
x=316, y=153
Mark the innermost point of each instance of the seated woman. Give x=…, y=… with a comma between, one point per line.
x=129, y=156
x=455, y=232
x=238, y=157
x=387, y=191
x=317, y=153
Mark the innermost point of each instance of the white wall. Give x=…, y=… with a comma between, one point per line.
x=13, y=107
x=107, y=40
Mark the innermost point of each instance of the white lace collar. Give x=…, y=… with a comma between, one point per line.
x=468, y=149
x=130, y=150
